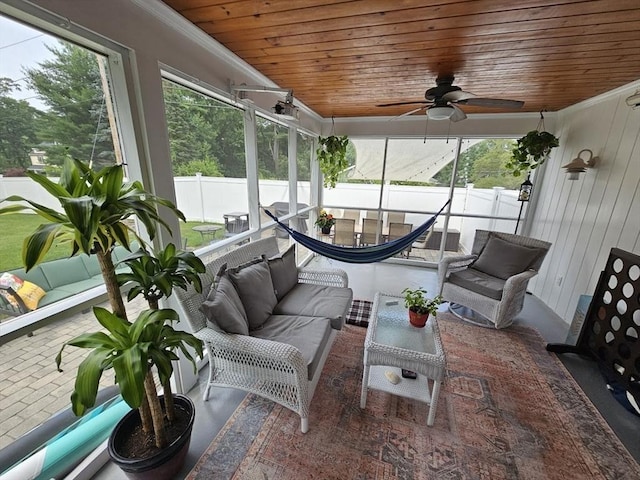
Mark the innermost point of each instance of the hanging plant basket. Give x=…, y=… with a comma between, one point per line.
x=332, y=155
x=532, y=150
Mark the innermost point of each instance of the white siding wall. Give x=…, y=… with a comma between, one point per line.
x=584, y=219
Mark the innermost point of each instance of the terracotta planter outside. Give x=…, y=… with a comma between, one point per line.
x=418, y=319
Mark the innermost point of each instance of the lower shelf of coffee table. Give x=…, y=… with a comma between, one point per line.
x=417, y=389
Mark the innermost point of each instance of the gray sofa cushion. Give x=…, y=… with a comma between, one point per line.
x=478, y=282
x=223, y=307
x=310, y=335
x=255, y=288
x=504, y=259
x=284, y=272
x=316, y=301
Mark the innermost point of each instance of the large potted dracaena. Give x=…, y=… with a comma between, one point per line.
x=95, y=208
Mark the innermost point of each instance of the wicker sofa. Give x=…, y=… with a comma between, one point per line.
x=283, y=358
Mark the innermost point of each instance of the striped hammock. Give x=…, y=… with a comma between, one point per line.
x=368, y=254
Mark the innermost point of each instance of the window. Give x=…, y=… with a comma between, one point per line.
x=56, y=101
x=206, y=139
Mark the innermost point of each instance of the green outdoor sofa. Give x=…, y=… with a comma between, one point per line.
x=60, y=279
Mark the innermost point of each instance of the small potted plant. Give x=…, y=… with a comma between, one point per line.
x=531, y=151
x=332, y=155
x=420, y=306
x=325, y=221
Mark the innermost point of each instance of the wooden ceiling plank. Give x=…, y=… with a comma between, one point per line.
x=348, y=15
x=283, y=36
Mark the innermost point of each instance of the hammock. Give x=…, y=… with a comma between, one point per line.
x=369, y=254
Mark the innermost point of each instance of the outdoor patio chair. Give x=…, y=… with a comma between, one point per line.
x=344, y=232
x=370, y=228
x=488, y=287
x=397, y=230
x=395, y=217
x=353, y=214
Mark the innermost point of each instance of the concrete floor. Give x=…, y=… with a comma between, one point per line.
x=365, y=280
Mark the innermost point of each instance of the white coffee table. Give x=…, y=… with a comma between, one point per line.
x=392, y=343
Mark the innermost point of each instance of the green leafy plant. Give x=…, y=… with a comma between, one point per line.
x=417, y=301
x=531, y=151
x=332, y=155
x=95, y=207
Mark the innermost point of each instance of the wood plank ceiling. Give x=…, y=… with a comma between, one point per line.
x=342, y=58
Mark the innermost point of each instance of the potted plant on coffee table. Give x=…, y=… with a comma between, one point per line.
x=420, y=306
x=94, y=209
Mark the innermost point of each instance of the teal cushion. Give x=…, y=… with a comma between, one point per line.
x=64, y=271
x=35, y=275
x=91, y=264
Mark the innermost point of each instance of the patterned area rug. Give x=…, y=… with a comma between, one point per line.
x=508, y=410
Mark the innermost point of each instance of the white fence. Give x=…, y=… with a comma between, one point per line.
x=207, y=199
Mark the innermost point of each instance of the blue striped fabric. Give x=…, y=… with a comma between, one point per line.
x=368, y=254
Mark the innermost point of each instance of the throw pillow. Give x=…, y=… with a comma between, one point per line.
x=13, y=282
x=284, y=272
x=255, y=288
x=503, y=259
x=223, y=307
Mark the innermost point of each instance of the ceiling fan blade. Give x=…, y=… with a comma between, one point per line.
x=404, y=103
x=410, y=112
x=491, y=102
x=457, y=96
x=457, y=115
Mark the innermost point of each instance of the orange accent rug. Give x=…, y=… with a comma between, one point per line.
x=508, y=410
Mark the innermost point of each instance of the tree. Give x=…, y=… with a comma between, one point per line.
x=200, y=129
x=17, y=128
x=76, y=124
x=489, y=166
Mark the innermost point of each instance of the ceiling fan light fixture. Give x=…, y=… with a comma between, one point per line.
x=438, y=112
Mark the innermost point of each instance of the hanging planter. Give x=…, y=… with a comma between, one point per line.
x=532, y=150
x=332, y=155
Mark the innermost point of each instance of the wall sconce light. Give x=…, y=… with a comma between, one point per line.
x=578, y=165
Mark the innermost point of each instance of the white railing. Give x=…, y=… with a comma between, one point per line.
x=207, y=199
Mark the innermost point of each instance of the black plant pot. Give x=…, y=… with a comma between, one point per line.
x=326, y=230
x=165, y=464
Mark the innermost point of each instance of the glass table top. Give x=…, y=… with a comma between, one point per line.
x=392, y=327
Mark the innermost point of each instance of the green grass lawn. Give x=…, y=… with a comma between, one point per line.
x=15, y=228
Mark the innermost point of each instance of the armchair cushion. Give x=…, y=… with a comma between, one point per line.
x=284, y=272
x=308, y=334
x=503, y=259
x=478, y=282
x=223, y=307
x=255, y=289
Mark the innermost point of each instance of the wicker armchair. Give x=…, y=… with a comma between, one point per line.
x=271, y=369
x=471, y=299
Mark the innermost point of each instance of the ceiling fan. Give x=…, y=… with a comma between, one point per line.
x=442, y=101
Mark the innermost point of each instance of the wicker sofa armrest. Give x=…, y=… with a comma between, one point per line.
x=453, y=264
x=330, y=277
x=252, y=351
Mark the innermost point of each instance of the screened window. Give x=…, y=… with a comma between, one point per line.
x=206, y=140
